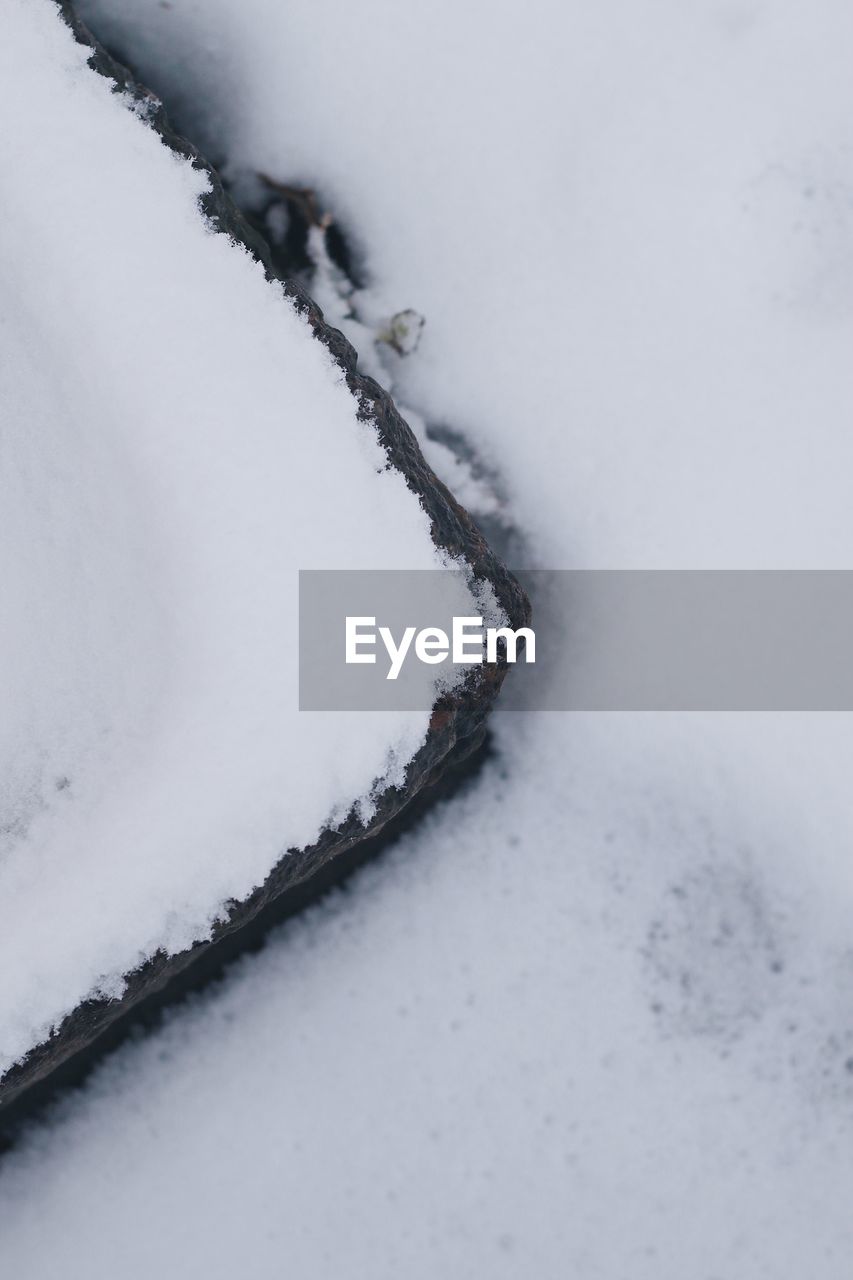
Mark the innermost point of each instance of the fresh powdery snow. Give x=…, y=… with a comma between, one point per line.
x=594, y=1019
x=175, y=445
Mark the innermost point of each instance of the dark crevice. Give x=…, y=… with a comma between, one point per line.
x=285, y=215
x=212, y=966
x=282, y=211
x=452, y=752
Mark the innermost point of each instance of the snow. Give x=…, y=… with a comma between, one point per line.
x=456, y=1072
x=172, y=433
x=593, y=1018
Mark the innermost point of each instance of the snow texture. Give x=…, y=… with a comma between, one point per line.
x=594, y=1019
x=175, y=446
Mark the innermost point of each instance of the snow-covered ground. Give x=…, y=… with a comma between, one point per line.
x=593, y=1019
x=176, y=445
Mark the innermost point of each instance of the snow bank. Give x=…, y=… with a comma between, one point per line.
x=175, y=446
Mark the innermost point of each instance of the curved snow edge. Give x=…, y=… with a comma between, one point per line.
x=458, y=723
